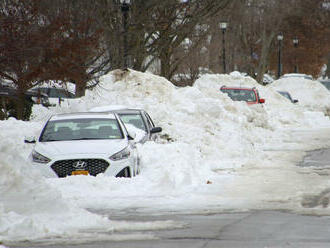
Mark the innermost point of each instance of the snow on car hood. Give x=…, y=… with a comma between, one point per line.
x=71, y=147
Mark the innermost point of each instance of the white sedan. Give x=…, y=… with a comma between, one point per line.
x=85, y=144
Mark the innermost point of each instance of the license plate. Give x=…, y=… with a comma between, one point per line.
x=80, y=172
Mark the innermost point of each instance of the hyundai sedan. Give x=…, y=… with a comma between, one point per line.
x=85, y=144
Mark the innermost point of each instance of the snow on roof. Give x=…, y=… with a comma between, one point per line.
x=82, y=115
x=299, y=75
x=108, y=108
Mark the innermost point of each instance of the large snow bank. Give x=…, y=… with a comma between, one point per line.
x=214, y=154
x=204, y=124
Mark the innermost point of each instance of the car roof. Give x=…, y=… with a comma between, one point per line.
x=83, y=115
x=237, y=88
x=128, y=111
x=115, y=109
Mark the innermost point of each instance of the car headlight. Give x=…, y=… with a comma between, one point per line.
x=125, y=153
x=38, y=158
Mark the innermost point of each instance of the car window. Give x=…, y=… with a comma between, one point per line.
x=134, y=119
x=79, y=129
x=149, y=120
x=240, y=94
x=286, y=94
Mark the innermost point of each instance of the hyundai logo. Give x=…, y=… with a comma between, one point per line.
x=79, y=164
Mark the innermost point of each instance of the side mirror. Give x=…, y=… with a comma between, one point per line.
x=156, y=130
x=295, y=101
x=261, y=100
x=30, y=140
x=131, y=134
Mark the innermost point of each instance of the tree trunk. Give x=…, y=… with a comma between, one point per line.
x=19, y=105
x=165, y=58
x=80, y=88
x=265, y=51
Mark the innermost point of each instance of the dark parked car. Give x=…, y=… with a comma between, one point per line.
x=56, y=95
x=288, y=96
x=9, y=99
x=326, y=83
x=139, y=118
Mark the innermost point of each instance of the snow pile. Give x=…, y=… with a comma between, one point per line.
x=311, y=94
x=209, y=131
x=208, y=121
x=201, y=116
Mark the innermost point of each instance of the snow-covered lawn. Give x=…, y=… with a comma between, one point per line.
x=222, y=156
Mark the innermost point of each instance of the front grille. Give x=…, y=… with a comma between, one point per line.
x=64, y=168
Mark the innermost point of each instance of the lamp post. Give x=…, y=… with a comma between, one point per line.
x=279, y=38
x=124, y=9
x=295, y=44
x=223, y=27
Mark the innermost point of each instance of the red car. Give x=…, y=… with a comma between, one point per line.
x=249, y=95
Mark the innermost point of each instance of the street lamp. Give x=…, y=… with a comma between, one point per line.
x=124, y=9
x=279, y=38
x=295, y=44
x=223, y=27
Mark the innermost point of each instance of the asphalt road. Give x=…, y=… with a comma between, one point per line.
x=265, y=229
x=253, y=229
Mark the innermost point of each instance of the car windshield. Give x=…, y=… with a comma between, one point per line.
x=81, y=129
x=134, y=119
x=240, y=94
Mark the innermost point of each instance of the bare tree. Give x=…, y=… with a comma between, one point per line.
x=156, y=29
x=37, y=46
